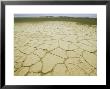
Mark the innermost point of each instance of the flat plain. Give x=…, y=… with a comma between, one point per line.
x=55, y=47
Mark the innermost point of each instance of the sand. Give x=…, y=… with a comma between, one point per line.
x=54, y=48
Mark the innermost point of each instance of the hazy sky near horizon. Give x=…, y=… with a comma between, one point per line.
x=69, y=15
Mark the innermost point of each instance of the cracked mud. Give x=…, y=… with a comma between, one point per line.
x=54, y=48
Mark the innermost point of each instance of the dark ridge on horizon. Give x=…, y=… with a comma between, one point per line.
x=78, y=20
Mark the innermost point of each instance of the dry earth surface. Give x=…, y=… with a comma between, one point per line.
x=54, y=48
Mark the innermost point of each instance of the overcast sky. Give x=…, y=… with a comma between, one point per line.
x=69, y=15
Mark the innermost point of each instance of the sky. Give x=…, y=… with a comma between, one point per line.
x=69, y=15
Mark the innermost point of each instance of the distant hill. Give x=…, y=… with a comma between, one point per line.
x=79, y=20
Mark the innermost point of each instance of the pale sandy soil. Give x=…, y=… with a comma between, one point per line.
x=51, y=48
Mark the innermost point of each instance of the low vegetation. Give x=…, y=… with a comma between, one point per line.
x=82, y=21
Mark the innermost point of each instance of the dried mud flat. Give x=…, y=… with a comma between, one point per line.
x=54, y=48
